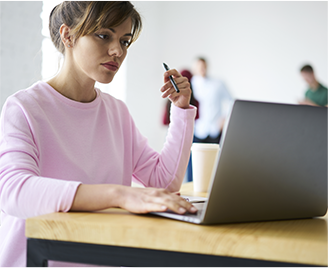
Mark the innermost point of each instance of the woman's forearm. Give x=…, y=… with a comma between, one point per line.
x=136, y=200
x=95, y=197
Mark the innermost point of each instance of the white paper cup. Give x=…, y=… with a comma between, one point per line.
x=203, y=156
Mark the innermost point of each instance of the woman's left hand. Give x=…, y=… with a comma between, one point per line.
x=181, y=99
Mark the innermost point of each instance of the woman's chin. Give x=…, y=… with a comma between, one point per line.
x=105, y=80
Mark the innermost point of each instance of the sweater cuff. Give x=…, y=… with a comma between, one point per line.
x=186, y=114
x=68, y=199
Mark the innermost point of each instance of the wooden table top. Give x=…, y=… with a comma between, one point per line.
x=296, y=241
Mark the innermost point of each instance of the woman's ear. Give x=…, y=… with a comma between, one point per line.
x=65, y=36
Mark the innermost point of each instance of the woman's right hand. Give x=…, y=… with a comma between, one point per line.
x=133, y=199
x=144, y=200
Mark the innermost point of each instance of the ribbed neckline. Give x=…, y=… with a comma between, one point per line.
x=76, y=104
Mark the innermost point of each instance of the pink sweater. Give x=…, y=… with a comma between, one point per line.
x=50, y=144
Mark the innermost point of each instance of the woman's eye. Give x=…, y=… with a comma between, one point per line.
x=125, y=43
x=103, y=36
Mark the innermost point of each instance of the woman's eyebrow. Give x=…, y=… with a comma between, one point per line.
x=127, y=34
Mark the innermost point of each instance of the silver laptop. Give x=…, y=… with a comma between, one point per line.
x=272, y=166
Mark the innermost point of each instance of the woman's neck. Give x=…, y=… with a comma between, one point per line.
x=73, y=86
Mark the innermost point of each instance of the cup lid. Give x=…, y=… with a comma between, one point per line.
x=205, y=146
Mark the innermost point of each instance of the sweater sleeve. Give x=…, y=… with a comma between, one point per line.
x=166, y=169
x=23, y=191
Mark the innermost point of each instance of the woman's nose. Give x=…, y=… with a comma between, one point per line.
x=115, y=49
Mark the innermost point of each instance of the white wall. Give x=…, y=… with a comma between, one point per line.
x=145, y=75
x=257, y=48
x=20, y=46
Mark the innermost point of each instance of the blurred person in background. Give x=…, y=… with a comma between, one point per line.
x=316, y=94
x=214, y=100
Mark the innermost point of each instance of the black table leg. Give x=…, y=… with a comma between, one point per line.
x=36, y=254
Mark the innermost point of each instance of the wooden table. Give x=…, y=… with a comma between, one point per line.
x=115, y=237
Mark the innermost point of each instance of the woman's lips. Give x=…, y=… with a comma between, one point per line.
x=112, y=66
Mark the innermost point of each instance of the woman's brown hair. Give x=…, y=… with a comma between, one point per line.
x=86, y=17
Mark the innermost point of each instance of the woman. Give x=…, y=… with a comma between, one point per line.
x=66, y=146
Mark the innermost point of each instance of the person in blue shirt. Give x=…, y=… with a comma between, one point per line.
x=214, y=104
x=214, y=100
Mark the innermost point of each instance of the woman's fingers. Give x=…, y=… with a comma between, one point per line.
x=173, y=202
x=182, y=206
x=182, y=98
x=168, y=89
x=143, y=200
x=184, y=87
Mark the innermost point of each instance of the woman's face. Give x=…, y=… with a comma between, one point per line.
x=100, y=54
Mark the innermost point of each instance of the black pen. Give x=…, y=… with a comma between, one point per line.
x=171, y=78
